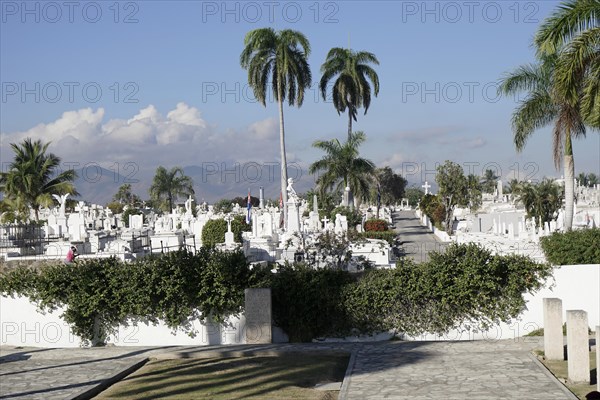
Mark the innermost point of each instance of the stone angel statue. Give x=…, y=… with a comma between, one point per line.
x=62, y=200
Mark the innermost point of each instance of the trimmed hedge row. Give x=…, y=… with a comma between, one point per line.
x=464, y=285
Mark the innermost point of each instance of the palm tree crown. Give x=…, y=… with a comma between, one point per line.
x=543, y=106
x=168, y=185
x=573, y=33
x=351, y=89
x=342, y=165
x=280, y=57
x=33, y=177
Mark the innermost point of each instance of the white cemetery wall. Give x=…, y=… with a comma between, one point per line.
x=22, y=325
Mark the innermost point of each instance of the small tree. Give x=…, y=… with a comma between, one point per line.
x=125, y=196
x=433, y=207
x=453, y=190
x=391, y=186
x=223, y=206
x=474, y=193
x=414, y=196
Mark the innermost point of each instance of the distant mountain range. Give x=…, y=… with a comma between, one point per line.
x=98, y=185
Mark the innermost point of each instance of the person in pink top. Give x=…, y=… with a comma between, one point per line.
x=71, y=254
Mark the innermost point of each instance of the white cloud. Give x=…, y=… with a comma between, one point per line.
x=186, y=115
x=267, y=129
x=149, y=139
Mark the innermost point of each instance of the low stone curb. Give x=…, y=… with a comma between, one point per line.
x=549, y=374
x=346, y=383
x=105, y=384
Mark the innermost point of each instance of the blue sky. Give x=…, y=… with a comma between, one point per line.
x=159, y=83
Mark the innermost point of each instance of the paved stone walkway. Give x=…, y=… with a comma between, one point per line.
x=377, y=370
x=417, y=240
x=450, y=370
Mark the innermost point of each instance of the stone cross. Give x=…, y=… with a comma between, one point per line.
x=228, y=218
x=325, y=221
x=426, y=186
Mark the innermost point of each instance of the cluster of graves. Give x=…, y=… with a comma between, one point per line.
x=96, y=232
x=500, y=224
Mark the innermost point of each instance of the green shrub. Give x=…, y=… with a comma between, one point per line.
x=466, y=285
x=388, y=236
x=100, y=294
x=573, y=247
x=214, y=230
x=353, y=216
x=376, y=225
x=239, y=225
x=115, y=207
x=307, y=302
x=433, y=207
x=223, y=206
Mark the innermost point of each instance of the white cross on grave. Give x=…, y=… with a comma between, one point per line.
x=426, y=186
x=228, y=218
x=325, y=221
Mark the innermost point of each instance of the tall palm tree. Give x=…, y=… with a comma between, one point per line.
x=582, y=179
x=342, y=166
x=281, y=57
x=169, y=185
x=573, y=32
x=543, y=106
x=489, y=181
x=33, y=176
x=351, y=89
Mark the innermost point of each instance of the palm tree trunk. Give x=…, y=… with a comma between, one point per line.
x=569, y=183
x=284, y=176
x=449, y=215
x=349, y=123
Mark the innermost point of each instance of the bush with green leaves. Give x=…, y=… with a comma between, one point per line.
x=127, y=213
x=99, y=294
x=573, y=247
x=223, y=206
x=307, y=302
x=353, y=216
x=433, y=207
x=464, y=286
x=388, y=236
x=214, y=230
